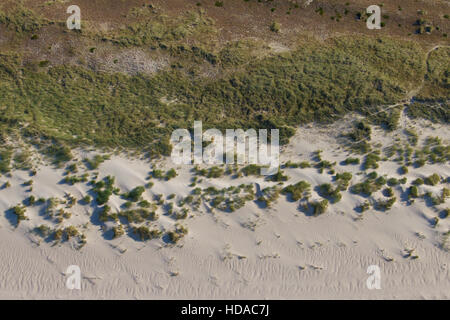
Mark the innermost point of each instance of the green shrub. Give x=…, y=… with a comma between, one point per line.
x=104, y=190
x=326, y=190
x=144, y=204
x=432, y=180
x=103, y=196
x=118, y=231
x=393, y=182
x=403, y=170
x=95, y=162
x=157, y=174
x=343, y=180
x=445, y=213
x=275, y=27
x=361, y=131
x=366, y=187
x=319, y=207
x=145, y=233
x=20, y=212
x=336, y=68
x=371, y=161
x=30, y=201
x=297, y=190
x=364, y=206
x=135, y=194
x=71, y=231
x=351, y=161
x=138, y=215
x=86, y=199
x=278, y=177
x=170, y=174
x=251, y=169
x=385, y=204
x=179, y=232
x=388, y=192
x=413, y=192
x=43, y=230
x=104, y=214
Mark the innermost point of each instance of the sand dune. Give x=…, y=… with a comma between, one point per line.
x=261, y=253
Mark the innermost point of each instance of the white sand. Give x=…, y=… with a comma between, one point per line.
x=288, y=255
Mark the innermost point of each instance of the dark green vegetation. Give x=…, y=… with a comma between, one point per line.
x=432, y=180
x=437, y=78
x=434, y=111
x=20, y=212
x=369, y=186
x=432, y=102
x=144, y=233
x=297, y=190
x=385, y=205
x=326, y=190
x=360, y=136
x=104, y=189
x=160, y=31
x=22, y=20
x=319, y=207
x=135, y=194
x=318, y=81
